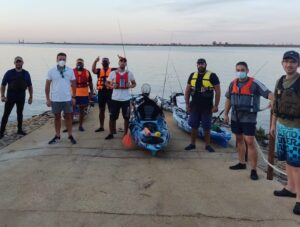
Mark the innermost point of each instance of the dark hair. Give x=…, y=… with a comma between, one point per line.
x=242, y=63
x=61, y=54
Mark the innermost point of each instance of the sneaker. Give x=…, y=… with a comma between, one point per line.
x=284, y=193
x=190, y=147
x=65, y=130
x=253, y=175
x=81, y=129
x=72, y=140
x=238, y=166
x=54, y=140
x=99, y=129
x=109, y=137
x=21, y=132
x=296, y=209
x=209, y=148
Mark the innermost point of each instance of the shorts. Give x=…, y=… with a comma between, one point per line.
x=104, y=97
x=288, y=144
x=203, y=116
x=58, y=107
x=115, y=109
x=82, y=100
x=245, y=128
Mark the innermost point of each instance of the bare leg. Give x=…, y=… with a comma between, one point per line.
x=241, y=149
x=207, y=136
x=252, y=151
x=57, y=123
x=296, y=177
x=81, y=115
x=194, y=133
x=291, y=184
x=68, y=121
x=126, y=125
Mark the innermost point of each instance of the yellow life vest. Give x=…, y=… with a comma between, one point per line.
x=205, y=80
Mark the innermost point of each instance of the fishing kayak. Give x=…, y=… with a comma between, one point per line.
x=147, y=125
x=218, y=134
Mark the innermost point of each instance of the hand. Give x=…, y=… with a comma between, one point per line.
x=30, y=100
x=73, y=101
x=273, y=130
x=114, y=85
x=48, y=102
x=214, y=109
x=3, y=99
x=270, y=105
x=226, y=119
x=97, y=59
x=188, y=108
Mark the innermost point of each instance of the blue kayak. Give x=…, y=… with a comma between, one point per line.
x=218, y=134
x=147, y=125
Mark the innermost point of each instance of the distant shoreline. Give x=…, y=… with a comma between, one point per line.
x=159, y=44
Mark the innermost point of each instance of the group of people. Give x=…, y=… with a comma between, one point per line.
x=243, y=98
x=66, y=87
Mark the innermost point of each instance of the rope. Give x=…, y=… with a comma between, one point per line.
x=266, y=161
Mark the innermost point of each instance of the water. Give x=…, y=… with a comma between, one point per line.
x=148, y=65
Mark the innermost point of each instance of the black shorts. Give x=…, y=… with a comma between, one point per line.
x=115, y=107
x=104, y=97
x=247, y=129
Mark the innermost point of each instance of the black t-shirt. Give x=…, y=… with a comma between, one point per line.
x=203, y=99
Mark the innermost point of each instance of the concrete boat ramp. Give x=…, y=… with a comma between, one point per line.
x=98, y=183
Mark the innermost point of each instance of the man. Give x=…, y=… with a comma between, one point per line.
x=201, y=86
x=243, y=95
x=18, y=80
x=286, y=122
x=104, y=91
x=121, y=80
x=84, y=82
x=60, y=79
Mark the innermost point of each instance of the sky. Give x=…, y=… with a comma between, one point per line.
x=141, y=21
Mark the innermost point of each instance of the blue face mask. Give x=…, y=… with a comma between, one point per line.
x=241, y=75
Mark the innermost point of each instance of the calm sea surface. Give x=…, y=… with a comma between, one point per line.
x=148, y=64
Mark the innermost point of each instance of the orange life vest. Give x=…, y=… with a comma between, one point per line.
x=102, y=76
x=82, y=82
x=121, y=80
x=245, y=90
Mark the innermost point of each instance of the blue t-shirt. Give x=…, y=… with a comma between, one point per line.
x=17, y=84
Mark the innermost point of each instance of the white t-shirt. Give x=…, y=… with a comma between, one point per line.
x=120, y=94
x=61, y=87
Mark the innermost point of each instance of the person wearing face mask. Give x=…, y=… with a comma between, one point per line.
x=243, y=96
x=18, y=80
x=59, y=80
x=84, y=82
x=201, y=86
x=104, y=91
x=286, y=125
x=121, y=80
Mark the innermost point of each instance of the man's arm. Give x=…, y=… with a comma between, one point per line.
x=30, y=91
x=187, y=95
x=3, y=98
x=226, y=111
x=47, y=92
x=133, y=84
x=217, y=96
x=91, y=84
x=94, y=69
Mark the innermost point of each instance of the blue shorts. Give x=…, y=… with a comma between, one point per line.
x=288, y=144
x=82, y=100
x=247, y=129
x=203, y=116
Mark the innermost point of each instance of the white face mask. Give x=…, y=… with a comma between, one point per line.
x=61, y=63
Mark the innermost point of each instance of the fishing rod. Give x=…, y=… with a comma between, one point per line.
x=177, y=77
x=167, y=66
x=260, y=68
x=122, y=40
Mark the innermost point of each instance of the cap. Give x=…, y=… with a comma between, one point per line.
x=201, y=61
x=291, y=54
x=105, y=59
x=122, y=58
x=18, y=58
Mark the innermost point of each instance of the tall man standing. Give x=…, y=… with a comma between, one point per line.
x=104, y=91
x=201, y=86
x=121, y=80
x=286, y=123
x=243, y=95
x=18, y=80
x=61, y=78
